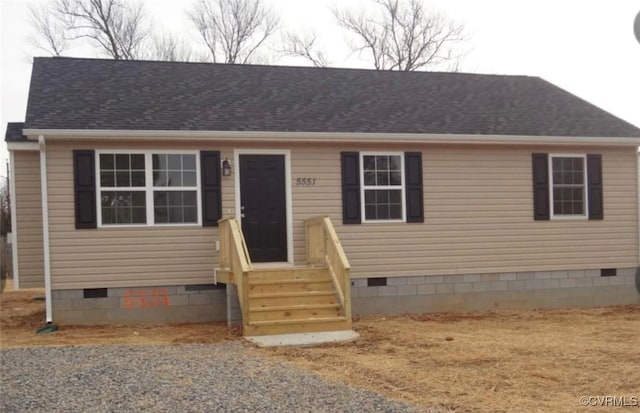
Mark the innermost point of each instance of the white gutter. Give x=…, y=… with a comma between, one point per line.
x=14, y=221
x=333, y=137
x=638, y=205
x=45, y=228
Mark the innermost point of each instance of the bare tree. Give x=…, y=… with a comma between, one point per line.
x=232, y=30
x=304, y=46
x=117, y=27
x=171, y=49
x=403, y=35
x=50, y=30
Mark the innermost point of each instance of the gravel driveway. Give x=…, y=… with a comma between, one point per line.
x=189, y=378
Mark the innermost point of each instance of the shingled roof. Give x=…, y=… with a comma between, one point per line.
x=94, y=94
x=14, y=132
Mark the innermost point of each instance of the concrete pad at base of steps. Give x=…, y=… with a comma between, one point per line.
x=303, y=339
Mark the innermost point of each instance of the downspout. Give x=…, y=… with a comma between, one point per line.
x=14, y=221
x=45, y=228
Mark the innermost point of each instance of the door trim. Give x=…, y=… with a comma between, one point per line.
x=287, y=189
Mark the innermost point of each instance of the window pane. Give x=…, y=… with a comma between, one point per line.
x=137, y=161
x=175, y=206
x=137, y=178
x=369, y=178
x=190, y=198
x=369, y=197
x=159, y=178
x=123, y=207
x=123, y=178
x=122, y=161
x=395, y=178
x=189, y=162
x=191, y=214
x=189, y=179
x=175, y=198
x=139, y=215
x=394, y=163
x=175, y=162
x=382, y=178
x=383, y=211
x=175, y=178
x=159, y=161
x=175, y=214
x=383, y=204
x=369, y=163
x=370, y=212
x=161, y=215
x=107, y=179
x=395, y=212
x=382, y=163
x=107, y=161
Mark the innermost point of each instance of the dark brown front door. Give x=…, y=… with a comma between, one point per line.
x=263, y=206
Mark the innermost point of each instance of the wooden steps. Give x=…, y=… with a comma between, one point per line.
x=293, y=300
x=309, y=325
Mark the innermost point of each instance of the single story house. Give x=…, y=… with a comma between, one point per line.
x=298, y=196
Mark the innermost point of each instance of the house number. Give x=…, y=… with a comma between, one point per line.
x=306, y=182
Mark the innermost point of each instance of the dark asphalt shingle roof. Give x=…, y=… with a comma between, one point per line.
x=14, y=132
x=70, y=93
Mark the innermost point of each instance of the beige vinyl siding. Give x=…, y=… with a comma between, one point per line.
x=478, y=219
x=29, y=219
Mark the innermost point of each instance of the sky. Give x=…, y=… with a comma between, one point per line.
x=586, y=47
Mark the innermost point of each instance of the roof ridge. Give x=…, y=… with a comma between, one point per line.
x=258, y=65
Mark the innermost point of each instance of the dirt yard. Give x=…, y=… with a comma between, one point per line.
x=489, y=362
x=492, y=362
x=21, y=316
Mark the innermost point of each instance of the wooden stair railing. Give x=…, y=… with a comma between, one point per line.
x=324, y=250
x=234, y=257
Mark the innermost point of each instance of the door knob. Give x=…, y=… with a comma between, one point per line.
x=241, y=215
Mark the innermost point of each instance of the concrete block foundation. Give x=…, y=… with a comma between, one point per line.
x=165, y=304
x=468, y=292
x=476, y=292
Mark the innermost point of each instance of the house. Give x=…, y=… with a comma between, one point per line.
x=294, y=197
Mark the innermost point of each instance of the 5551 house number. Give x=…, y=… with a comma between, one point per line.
x=305, y=181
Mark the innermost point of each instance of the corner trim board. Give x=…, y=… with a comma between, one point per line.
x=14, y=220
x=45, y=228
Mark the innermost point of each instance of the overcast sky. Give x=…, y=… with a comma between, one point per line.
x=584, y=46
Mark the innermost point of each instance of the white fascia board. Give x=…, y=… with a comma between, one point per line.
x=23, y=146
x=332, y=137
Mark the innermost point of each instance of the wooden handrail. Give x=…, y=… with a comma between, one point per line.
x=324, y=248
x=234, y=257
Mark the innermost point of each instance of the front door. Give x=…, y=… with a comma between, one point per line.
x=263, y=206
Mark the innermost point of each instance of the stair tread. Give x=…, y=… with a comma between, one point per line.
x=295, y=307
x=292, y=294
x=289, y=281
x=297, y=321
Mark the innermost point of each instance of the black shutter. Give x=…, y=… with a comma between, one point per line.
x=413, y=186
x=84, y=178
x=540, y=162
x=211, y=188
x=594, y=177
x=351, y=188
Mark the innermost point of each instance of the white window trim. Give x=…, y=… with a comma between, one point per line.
x=149, y=188
x=585, y=182
x=402, y=187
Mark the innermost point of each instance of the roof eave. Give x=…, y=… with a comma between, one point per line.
x=335, y=137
